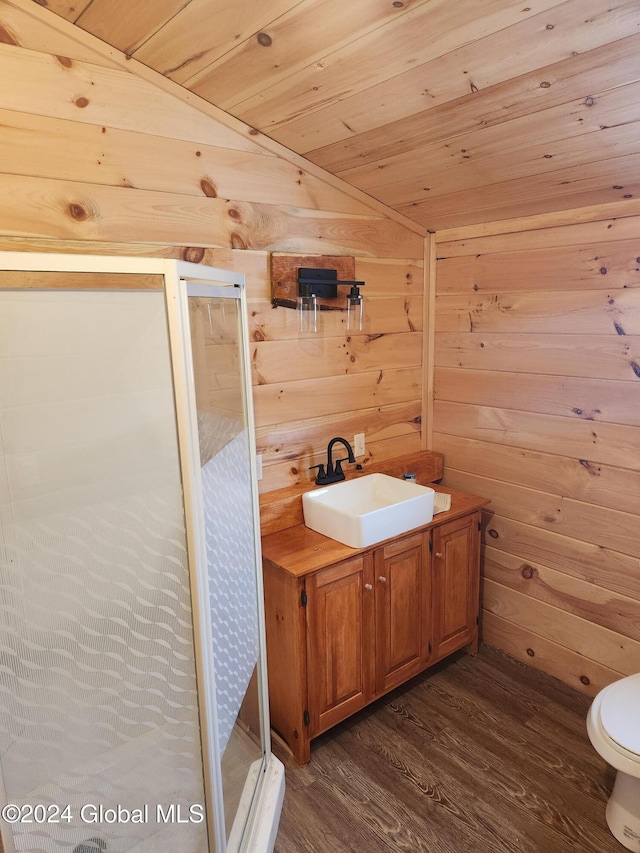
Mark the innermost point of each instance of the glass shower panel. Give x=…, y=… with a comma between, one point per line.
x=225, y=458
x=98, y=703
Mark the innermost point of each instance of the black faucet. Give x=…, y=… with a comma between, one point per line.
x=333, y=474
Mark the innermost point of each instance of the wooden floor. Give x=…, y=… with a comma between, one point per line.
x=479, y=755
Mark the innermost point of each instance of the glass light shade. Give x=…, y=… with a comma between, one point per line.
x=307, y=315
x=355, y=313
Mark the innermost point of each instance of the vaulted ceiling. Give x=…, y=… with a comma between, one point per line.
x=450, y=111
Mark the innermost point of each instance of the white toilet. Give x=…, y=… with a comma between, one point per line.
x=613, y=725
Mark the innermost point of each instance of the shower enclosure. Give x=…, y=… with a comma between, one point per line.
x=133, y=707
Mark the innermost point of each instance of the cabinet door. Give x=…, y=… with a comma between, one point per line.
x=402, y=587
x=340, y=641
x=456, y=556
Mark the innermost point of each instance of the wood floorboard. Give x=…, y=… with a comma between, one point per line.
x=452, y=775
x=432, y=799
x=525, y=777
x=479, y=755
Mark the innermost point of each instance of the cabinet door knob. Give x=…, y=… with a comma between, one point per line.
x=438, y=554
x=368, y=586
x=382, y=579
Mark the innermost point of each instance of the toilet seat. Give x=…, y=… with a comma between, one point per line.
x=608, y=736
x=613, y=726
x=620, y=714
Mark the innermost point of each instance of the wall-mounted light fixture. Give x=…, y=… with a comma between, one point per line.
x=314, y=283
x=311, y=283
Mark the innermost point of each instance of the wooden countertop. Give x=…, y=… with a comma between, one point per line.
x=299, y=550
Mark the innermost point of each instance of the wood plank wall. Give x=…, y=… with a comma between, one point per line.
x=95, y=157
x=537, y=330
x=537, y=406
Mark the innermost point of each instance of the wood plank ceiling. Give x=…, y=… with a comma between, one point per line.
x=452, y=112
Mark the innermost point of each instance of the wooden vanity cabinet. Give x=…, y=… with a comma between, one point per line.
x=368, y=631
x=346, y=626
x=455, y=579
x=340, y=640
x=402, y=592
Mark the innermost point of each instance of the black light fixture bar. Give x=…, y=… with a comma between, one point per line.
x=321, y=282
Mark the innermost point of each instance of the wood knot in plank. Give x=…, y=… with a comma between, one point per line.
x=78, y=211
x=493, y=533
x=528, y=572
x=585, y=680
x=234, y=213
x=193, y=254
x=591, y=469
x=81, y=102
x=264, y=39
x=237, y=241
x=531, y=653
x=208, y=188
x=65, y=61
x=588, y=416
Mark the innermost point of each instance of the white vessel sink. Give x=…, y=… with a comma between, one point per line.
x=370, y=509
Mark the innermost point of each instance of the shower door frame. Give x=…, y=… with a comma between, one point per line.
x=264, y=811
x=177, y=285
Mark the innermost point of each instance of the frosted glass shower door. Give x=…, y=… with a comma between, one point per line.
x=224, y=425
x=98, y=696
x=133, y=704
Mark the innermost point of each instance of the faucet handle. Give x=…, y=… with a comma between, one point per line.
x=321, y=473
x=338, y=468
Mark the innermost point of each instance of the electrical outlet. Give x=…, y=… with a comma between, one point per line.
x=259, y=466
x=358, y=444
